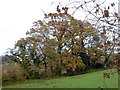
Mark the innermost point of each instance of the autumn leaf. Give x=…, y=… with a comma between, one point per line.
x=106, y=13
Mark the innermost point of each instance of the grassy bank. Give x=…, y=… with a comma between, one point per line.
x=89, y=80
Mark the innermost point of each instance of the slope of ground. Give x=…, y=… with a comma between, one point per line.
x=89, y=80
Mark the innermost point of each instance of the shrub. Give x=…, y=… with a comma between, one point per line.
x=12, y=72
x=34, y=72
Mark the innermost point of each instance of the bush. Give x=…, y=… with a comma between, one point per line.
x=12, y=72
x=34, y=72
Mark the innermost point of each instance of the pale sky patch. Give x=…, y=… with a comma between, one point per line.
x=17, y=16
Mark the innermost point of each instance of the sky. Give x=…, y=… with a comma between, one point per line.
x=17, y=17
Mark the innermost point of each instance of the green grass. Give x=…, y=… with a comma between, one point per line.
x=89, y=80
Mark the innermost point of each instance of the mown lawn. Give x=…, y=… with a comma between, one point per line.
x=89, y=80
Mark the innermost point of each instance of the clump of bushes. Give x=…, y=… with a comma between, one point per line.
x=12, y=72
x=34, y=72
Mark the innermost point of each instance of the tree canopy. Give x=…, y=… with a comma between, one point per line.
x=60, y=44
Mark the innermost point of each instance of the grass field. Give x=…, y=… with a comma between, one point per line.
x=89, y=80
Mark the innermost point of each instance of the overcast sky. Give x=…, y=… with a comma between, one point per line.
x=17, y=16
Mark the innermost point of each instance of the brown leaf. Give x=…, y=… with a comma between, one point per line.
x=63, y=8
x=108, y=42
x=58, y=9
x=45, y=15
x=106, y=13
x=116, y=14
x=104, y=31
x=66, y=10
x=106, y=75
x=97, y=5
x=97, y=11
x=102, y=34
x=112, y=4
